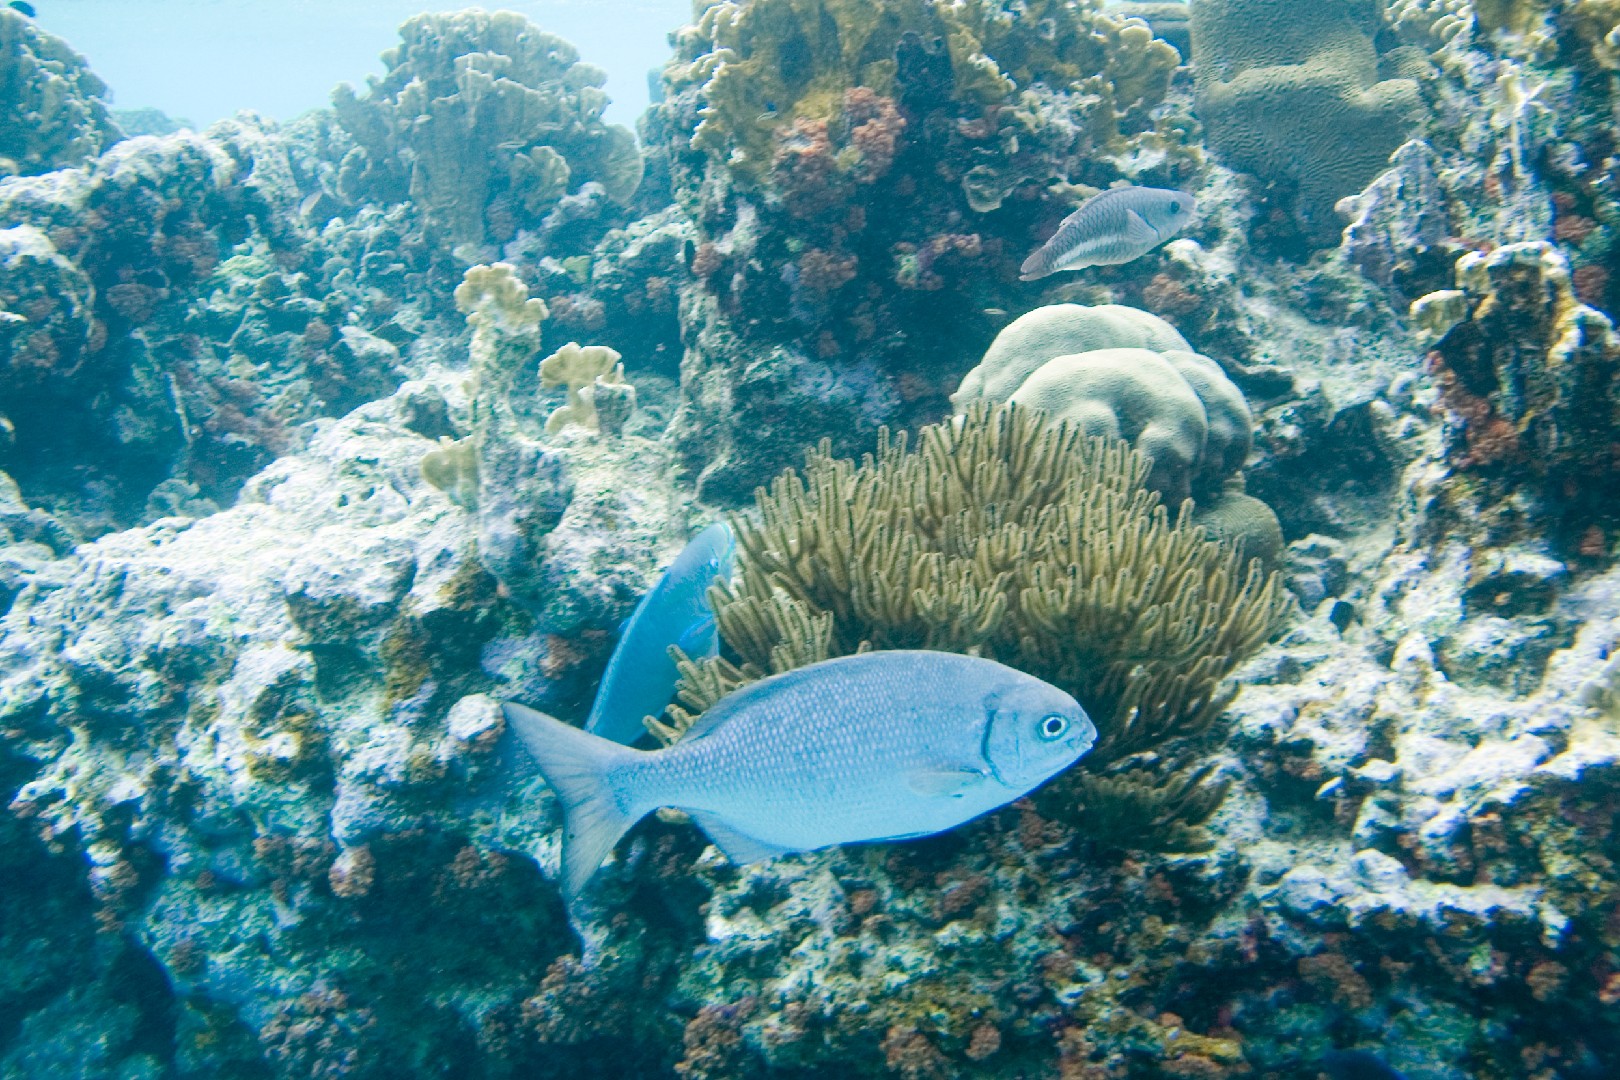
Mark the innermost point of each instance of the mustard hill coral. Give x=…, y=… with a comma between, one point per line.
x=53, y=112
x=596, y=385
x=1291, y=93
x=1006, y=535
x=484, y=121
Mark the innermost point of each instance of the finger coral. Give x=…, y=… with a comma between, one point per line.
x=1006, y=536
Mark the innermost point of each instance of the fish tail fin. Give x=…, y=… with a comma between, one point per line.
x=578, y=766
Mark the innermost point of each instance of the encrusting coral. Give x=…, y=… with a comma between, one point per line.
x=53, y=112
x=1530, y=377
x=1009, y=536
x=483, y=121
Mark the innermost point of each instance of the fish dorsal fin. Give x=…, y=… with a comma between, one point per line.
x=1138, y=231
x=944, y=781
x=750, y=696
x=738, y=847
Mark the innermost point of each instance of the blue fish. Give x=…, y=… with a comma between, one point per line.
x=878, y=746
x=640, y=677
x=23, y=7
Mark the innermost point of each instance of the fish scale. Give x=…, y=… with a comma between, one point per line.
x=879, y=746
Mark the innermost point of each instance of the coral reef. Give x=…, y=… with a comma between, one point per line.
x=483, y=121
x=287, y=526
x=1530, y=378
x=53, y=109
x=1294, y=96
x=864, y=180
x=1007, y=535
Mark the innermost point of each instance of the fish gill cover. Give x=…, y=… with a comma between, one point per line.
x=282, y=525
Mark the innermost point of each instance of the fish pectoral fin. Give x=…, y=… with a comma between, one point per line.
x=944, y=782
x=1138, y=231
x=738, y=847
x=698, y=641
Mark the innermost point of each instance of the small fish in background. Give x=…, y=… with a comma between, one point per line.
x=640, y=677
x=23, y=7
x=1112, y=227
x=877, y=746
x=1355, y=1065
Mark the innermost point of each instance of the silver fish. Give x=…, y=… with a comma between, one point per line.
x=1112, y=227
x=880, y=746
x=640, y=677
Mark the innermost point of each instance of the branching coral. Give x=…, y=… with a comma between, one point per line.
x=482, y=120
x=1012, y=537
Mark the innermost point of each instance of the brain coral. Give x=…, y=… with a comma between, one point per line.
x=483, y=120
x=1124, y=373
x=1290, y=92
x=52, y=112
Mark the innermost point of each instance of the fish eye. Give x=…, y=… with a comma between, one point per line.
x=1175, y=206
x=1053, y=727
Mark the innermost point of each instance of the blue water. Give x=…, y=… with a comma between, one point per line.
x=203, y=60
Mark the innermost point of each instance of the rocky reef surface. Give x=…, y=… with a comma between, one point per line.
x=312, y=458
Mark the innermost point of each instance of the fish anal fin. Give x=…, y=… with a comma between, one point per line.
x=944, y=782
x=738, y=847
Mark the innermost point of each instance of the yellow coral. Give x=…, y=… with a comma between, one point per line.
x=589, y=371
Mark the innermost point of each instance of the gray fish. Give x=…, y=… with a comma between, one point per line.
x=880, y=746
x=640, y=677
x=1112, y=227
